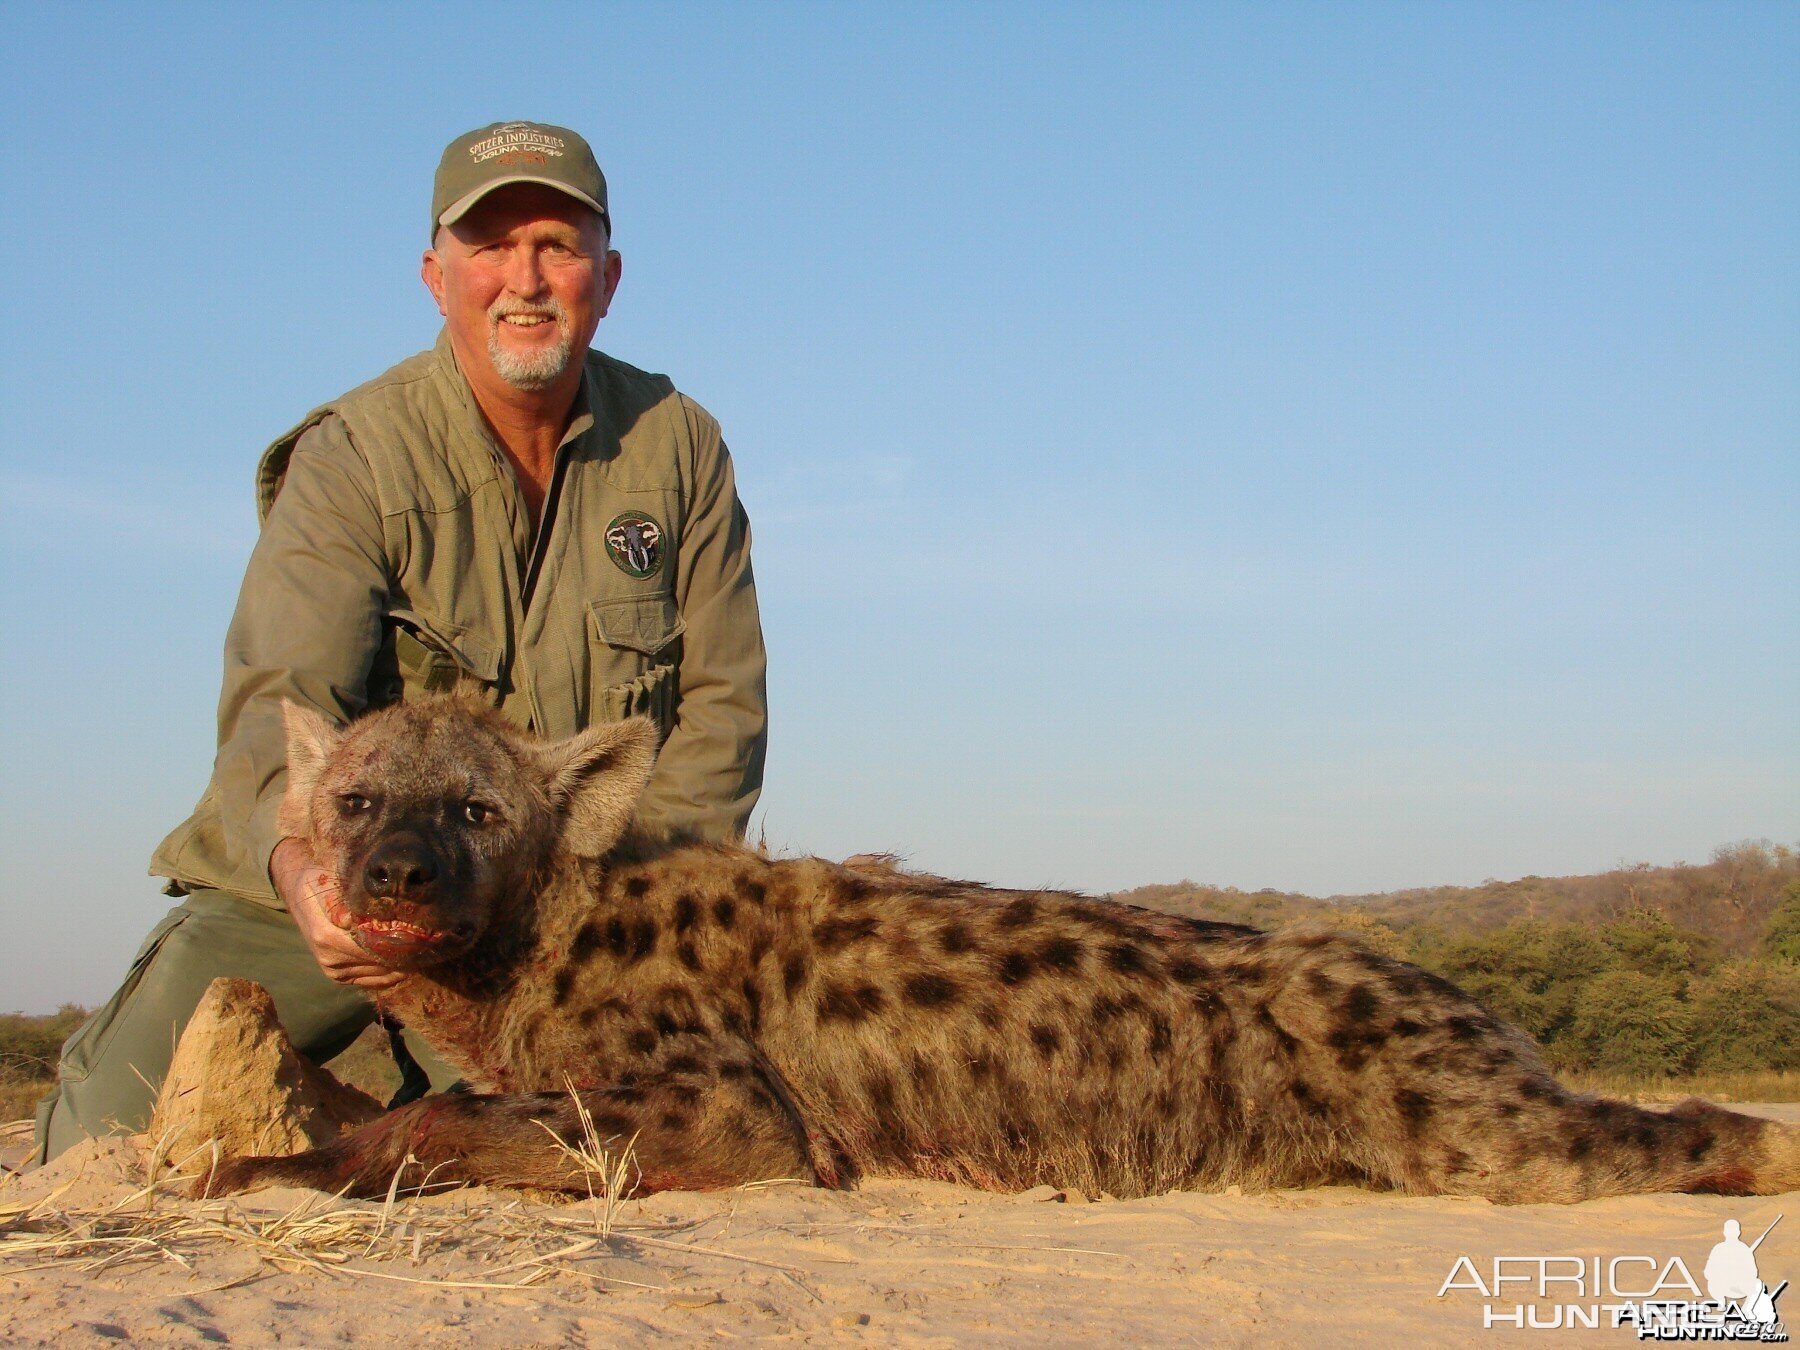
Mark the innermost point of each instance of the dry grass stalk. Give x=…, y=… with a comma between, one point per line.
x=618, y=1173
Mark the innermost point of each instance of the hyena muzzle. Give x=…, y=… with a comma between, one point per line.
x=734, y=1018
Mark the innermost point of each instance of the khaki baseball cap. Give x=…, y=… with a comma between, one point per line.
x=476, y=163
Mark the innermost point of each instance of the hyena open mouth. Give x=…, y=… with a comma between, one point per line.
x=388, y=939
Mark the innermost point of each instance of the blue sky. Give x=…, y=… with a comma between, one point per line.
x=1322, y=446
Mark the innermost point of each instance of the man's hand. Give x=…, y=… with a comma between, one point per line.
x=310, y=894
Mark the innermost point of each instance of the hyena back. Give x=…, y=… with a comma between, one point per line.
x=735, y=1018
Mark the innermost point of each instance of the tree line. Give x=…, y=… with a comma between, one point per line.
x=1638, y=996
x=1643, y=972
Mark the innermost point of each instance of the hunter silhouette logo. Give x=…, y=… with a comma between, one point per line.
x=1731, y=1276
x=1655, y=1297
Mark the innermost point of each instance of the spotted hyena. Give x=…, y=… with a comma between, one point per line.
x=737, y=1017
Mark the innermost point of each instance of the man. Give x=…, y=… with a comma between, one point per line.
x=510, y=508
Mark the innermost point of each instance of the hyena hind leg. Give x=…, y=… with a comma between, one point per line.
x=1535, y=1141
x=1441, y=1098
x=680, y=1132
x=1696, y=1146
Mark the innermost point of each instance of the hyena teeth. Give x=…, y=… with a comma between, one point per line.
x=395, y=926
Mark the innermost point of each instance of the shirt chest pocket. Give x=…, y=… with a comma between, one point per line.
x=634, y=649
x=419, y=656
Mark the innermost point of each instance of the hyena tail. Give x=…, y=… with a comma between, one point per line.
x=1614, y=1148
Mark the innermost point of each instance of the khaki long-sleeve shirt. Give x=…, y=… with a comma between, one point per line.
x=397, y=557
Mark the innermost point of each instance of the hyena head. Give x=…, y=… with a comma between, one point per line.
x=436, y=816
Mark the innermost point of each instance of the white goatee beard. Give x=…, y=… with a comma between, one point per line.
x=535, y=370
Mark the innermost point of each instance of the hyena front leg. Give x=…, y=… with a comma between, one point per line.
x=717, y=1127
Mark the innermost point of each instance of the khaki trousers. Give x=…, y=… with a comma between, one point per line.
x=113, y=1065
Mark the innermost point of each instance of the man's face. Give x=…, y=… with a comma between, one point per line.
x=523, y=280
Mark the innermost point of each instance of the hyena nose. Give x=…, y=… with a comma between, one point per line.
x=400, y=869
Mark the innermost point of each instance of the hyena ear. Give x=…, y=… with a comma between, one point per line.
x=596, y=779
x=311, y=737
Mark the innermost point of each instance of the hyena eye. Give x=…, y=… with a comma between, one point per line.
x=475, y=813
x=354, y=803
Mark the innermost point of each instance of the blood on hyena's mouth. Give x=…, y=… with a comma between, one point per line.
x=399, y=942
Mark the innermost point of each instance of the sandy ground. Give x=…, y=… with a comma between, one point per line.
x=910, y=1263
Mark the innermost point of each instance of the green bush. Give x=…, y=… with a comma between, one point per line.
x=30, y=1046
x=1747, y=1016
x=1781, y=940
x=1629, y=1022
x=1647, y=942
x=1529, y=973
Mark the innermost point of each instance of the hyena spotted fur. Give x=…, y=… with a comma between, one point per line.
x=738, y=1018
